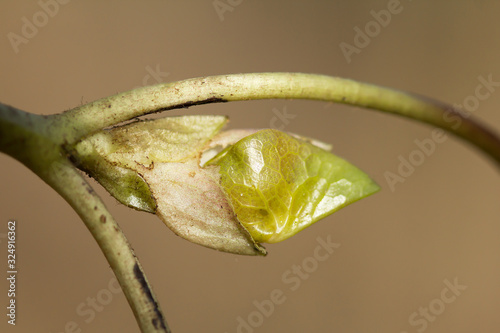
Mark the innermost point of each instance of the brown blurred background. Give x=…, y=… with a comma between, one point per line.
x=396, y=248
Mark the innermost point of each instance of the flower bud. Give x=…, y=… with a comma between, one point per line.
x=154, y=166
x=257, y=186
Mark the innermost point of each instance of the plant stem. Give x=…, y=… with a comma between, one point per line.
x=125, y=106
x=40, y=142
x=32, y=139
x=68, y=182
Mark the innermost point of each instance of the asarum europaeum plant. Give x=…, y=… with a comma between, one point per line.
x=229, y=190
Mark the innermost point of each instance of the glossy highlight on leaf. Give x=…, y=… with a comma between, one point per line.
x=278, y=184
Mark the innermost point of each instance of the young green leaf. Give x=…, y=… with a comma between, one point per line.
x=261, y=186
x=278, y=184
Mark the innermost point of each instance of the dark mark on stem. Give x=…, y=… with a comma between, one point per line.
x=159, y=321
x=193, y=103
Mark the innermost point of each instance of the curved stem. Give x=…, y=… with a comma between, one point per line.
x=223, y=88
x=39, y=142
x=68, y=182
x=30, y=139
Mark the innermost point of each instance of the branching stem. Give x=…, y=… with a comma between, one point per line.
x=33, y=140
x=40, y=142
x=237, y=87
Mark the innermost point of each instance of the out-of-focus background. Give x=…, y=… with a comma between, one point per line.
x=420, y=256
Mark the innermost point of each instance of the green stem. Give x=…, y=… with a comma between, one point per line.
x=39, y=142
x=24, y=136
x=69, y=183
x=124, y=106
x=32, y=140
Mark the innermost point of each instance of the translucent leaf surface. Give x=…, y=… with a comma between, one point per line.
x=192, y=204
x=117, y=157
x=279, y=185
x=171, y=139
x=126, y=185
